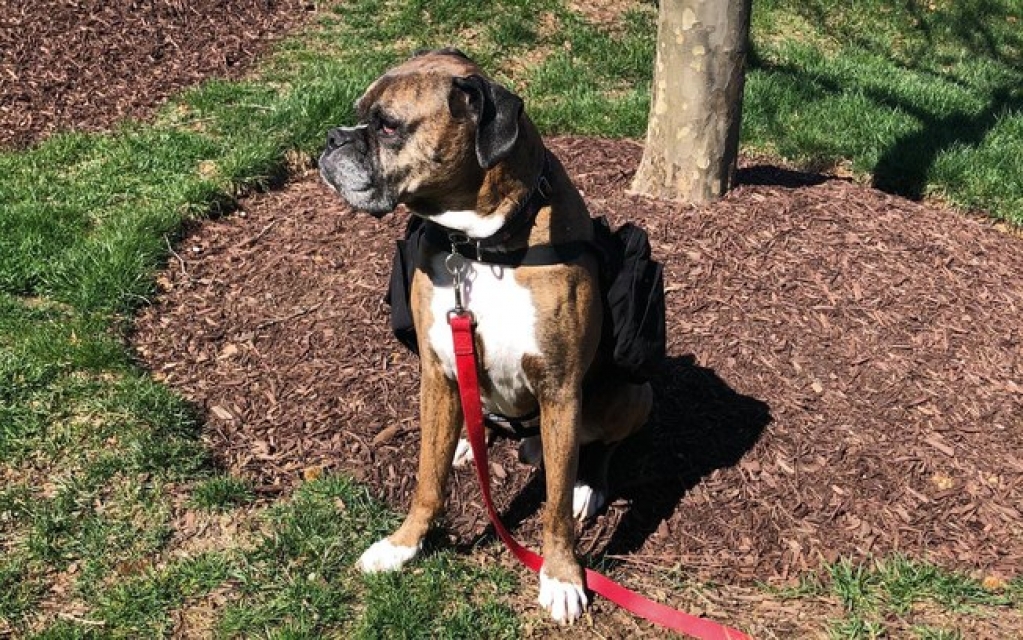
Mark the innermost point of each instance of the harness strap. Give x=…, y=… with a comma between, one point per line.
x=461, y=322
x=515, y=428
x=525, y=214
x=534, y=256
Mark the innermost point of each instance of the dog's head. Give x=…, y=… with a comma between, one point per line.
x=428, y=131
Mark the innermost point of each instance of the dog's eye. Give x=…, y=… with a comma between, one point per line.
x=387, y=128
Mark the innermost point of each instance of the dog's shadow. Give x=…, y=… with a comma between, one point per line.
x=699, y=424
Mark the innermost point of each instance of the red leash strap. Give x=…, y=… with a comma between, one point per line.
x=472, y=408
x=468, y=388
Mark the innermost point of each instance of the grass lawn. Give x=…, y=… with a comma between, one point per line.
x=113, y=519
x=927, y=97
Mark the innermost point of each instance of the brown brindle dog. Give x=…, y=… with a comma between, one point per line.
x=457, y=149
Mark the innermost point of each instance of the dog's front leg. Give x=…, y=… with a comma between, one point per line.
x=441, y=417
x=562, y=591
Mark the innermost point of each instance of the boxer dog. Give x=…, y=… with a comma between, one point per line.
x=455, y=147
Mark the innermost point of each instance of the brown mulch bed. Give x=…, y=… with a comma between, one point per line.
x=844, y=372
x=86, y=64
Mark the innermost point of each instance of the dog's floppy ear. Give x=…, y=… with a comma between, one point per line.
x=496, y=111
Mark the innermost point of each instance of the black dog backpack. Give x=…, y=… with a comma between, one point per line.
x=632, y=285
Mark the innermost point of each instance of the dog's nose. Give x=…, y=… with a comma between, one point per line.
x=337, y=138
x=342, y=136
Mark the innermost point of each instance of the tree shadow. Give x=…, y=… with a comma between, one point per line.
x=966, y=24
x=903, y=166
x=699, y=424
x=772, y=176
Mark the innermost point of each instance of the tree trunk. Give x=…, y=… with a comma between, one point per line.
x=692, y=143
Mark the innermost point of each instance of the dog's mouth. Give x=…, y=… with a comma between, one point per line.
x=369, y=199
x=354, y=180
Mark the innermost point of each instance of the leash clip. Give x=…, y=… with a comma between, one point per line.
x=455, y=264
x=459, y=240
x=459, y=313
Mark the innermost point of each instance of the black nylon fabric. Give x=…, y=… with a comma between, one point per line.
x=634, y=296
x=399, y=290
x=632, y=284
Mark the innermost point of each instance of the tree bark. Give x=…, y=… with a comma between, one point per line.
x=692, y=143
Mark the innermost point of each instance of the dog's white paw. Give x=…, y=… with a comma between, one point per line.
x=563, y=600
x=463, y=454
x=586, y=501
x=385, y=556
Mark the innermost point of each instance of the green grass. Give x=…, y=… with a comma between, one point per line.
x=300, y=579
x=222, y=492
x=100, y=466
x=884, y=598
x=925, y=97
x=295, y=578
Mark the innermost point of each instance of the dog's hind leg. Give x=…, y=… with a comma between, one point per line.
x=463, y=454
x=531, y=451
x=615, y=410
x=610, y=416
x=463, y=451
x=590, y=492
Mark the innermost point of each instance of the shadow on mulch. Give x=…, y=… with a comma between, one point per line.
x=699, y=424
x=773, y=176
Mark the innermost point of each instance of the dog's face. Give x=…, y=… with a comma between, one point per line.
x=428, y=131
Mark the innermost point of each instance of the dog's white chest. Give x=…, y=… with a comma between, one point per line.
x=505, y=323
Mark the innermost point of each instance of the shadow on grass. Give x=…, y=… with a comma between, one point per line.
x=904, y=166
x=905, y=163
x=966, y=23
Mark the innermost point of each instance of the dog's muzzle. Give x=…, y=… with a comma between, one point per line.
x=346, y=164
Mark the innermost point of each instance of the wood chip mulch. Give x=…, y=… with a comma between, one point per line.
x=87, y=64
x=845, y=372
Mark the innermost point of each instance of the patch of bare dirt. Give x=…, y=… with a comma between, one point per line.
x=608, y=14
x=197, y=618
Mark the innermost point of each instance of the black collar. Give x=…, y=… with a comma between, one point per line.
x=537, y=256
x=489, y=250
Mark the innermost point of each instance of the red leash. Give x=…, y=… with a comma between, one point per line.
x=468, y=388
